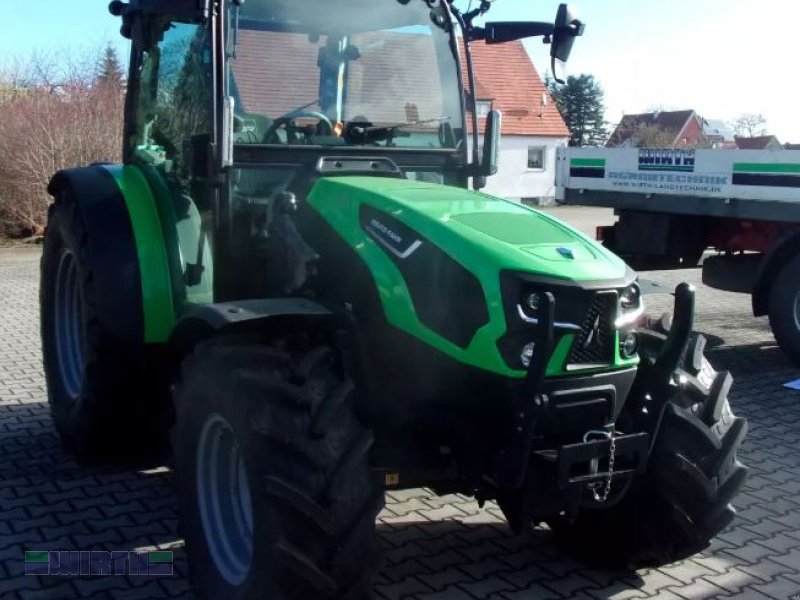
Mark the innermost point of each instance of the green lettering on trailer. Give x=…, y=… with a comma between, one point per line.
x=158, y=307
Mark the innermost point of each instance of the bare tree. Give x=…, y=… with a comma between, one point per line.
x=651, y=136
x=750, y=125
x=53, y=118
x=655, y=108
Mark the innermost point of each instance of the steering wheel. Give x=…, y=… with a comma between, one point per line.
x=287, y=121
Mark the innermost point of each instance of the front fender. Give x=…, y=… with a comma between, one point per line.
x=246, y=316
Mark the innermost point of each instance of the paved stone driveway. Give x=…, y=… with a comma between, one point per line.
x=441, y=548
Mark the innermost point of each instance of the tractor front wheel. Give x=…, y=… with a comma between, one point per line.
x=275, y=491
x=684, y=499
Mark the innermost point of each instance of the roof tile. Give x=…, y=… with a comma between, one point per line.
x=505, y=75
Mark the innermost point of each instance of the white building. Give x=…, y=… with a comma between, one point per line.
x=506, y=80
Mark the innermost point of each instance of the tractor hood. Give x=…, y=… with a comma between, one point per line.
x=475, y=229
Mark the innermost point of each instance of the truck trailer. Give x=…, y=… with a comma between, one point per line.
x=676, y=204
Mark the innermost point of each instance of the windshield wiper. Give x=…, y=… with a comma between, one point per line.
x=360, y=133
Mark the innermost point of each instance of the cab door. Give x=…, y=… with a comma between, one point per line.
x=169, y=129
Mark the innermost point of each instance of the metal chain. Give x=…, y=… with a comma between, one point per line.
x=607, y=487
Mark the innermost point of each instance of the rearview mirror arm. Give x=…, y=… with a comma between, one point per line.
x=473, y=97
x=501, y=32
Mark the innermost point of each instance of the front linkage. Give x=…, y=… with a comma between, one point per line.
x=573, y=469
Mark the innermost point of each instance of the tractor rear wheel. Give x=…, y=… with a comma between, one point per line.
x=276, y=496
x=106, y=403
x=683, y=500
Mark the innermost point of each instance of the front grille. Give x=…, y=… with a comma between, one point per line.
x=595, y=343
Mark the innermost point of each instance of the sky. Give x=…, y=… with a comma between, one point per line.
x=721, y=58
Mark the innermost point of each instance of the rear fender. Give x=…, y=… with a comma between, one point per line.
x=125, y=249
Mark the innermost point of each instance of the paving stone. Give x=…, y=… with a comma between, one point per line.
x=566, y=586
x=98, y=586
x=790, y=559
x=449, y=593
x=444, y=578
x=733, y=581
x=152, y=589
x=686, y=571
x=486, y=587
x=749, y=594
x=400, y=571
x=780, y=543
x=699, y=590
x=408, y=587
x=779, y=588
x=532, y=592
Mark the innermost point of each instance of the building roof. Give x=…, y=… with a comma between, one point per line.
x=673, y=120
x=505, y=74
x=761, y=142
x=791, y=146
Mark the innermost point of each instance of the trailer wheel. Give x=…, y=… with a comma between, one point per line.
x=107, y=404
x=784, y=308
x=276, y=496
x=683, y=500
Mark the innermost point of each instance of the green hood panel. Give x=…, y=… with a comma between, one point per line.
x=514, y=228
x=485, y=235
x=508, y=234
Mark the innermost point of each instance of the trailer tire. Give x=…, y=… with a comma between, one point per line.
x=784, y=308
x=683, y=500
x=294, y=516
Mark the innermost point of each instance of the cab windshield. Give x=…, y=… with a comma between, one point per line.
x=344, y=73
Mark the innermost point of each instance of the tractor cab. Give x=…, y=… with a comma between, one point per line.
x=358, y=76
x=262, y=98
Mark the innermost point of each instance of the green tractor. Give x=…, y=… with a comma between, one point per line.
x=289, y=279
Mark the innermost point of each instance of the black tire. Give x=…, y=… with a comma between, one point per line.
x=684, y=499
x=313, y=501
x=106, y=401
x=784, y=308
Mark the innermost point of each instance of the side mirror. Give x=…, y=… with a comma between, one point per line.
x=491, y=143
x=567, y=28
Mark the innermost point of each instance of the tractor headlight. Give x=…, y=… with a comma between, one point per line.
x=631, y=306
x=528, y=307
x=629, y=345
x=631, y=297
x=532, y=302
x=526, y=356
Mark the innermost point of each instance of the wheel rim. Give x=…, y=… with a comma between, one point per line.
x=223, y=496
x=69, y=332
x=797, y=311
